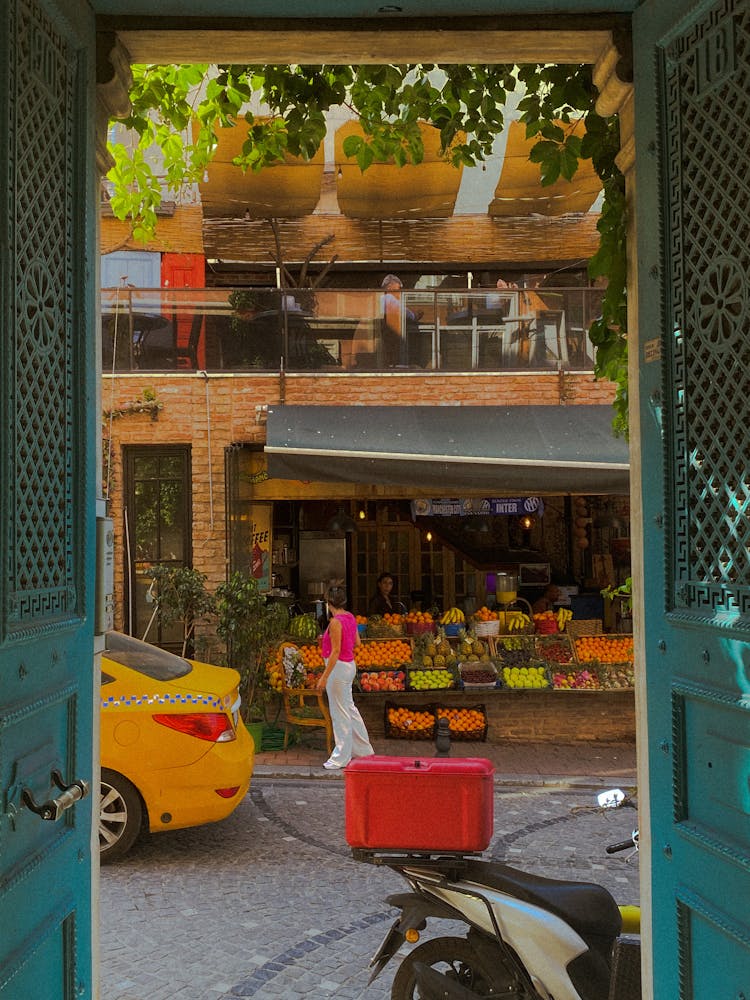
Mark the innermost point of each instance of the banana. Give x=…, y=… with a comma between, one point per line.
x=563, y=616
x=453, y=616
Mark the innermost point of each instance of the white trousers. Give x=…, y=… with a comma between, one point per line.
x=349, y=730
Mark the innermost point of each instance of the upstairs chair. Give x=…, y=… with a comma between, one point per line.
x=306, y=707
x=549, y=345
x=189, y=351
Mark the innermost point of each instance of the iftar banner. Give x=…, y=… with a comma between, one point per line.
x=471, y=506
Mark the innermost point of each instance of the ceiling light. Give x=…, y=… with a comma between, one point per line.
x=390, y=8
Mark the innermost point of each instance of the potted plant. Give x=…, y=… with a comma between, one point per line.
x=244, y=302
x=181, y=596
x=622, y=598
x=250, y=627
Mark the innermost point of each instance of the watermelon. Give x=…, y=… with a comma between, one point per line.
x=304, y=627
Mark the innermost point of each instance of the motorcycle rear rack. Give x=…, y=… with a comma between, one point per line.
x=458, y=860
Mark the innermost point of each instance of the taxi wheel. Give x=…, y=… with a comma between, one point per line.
x=120, y=816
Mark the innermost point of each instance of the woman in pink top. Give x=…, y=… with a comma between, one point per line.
x=339, y=641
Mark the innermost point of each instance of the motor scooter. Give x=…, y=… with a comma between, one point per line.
x=527, y=938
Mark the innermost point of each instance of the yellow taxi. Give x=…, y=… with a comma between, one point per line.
x=174, y=751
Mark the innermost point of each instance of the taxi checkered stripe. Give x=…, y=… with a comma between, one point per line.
x=161, y=699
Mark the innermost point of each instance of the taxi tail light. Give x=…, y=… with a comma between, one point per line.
x=227, y=793
x=212, y=726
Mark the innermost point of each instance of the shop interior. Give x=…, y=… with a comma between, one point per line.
x=438, y=558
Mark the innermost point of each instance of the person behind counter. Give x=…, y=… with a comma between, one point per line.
x=548, y=600
x=339, y=642
x=384, y=602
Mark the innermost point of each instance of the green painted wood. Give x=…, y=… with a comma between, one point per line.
x=692, y=65
x=47, y=469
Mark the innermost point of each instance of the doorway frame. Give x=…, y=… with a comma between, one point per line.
x=600, y=40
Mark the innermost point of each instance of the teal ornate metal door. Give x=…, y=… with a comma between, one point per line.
x=692, y=87
x=47, y=465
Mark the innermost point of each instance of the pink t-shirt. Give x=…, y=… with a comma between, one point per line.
x=348, y=637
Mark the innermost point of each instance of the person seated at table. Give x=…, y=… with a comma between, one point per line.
x=395, y=333
x=497, y=302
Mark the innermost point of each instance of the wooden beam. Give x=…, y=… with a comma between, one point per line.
x=314, y=45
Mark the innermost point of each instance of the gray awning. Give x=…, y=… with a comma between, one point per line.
x=504, y=450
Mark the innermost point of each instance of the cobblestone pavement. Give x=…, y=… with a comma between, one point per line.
x=270, y=903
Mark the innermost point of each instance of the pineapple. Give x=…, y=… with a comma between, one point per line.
x=431, y=649
x=439, y=661
x=427, y=661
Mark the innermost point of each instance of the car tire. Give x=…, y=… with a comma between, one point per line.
x=120, y=816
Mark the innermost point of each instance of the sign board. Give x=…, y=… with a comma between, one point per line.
x=260, y=545
x=472, y=506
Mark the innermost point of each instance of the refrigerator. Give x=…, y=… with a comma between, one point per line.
x=322, y=561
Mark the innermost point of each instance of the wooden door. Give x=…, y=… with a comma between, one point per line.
x=692, y=82
x=185, y=270
x=48, y=679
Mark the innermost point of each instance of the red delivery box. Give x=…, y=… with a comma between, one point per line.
x=426, y=804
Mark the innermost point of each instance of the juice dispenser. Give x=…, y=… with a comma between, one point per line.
x=506, y=588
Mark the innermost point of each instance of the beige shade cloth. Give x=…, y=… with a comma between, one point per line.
x=425, y=190
x=287, y=189
x=519, y=190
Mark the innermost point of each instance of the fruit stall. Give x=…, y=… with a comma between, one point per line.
x=498, y=676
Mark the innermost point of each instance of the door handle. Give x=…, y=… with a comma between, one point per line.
x=53, y=809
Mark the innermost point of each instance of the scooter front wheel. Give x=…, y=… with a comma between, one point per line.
x=454, y=957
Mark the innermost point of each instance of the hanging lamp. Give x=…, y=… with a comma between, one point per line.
x=341, y=522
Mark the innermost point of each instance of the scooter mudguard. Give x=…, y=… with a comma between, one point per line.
x=390, y=945
x=415, y=910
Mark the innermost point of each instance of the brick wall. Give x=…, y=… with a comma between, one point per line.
x=526, y=716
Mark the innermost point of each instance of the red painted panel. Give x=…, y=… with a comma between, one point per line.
x=185, y=270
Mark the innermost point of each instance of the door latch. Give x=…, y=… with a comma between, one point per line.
x=53, y=809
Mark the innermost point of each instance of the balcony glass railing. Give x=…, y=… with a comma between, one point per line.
x=235, y=330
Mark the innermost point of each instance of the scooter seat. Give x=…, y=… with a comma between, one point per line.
x=587, y=907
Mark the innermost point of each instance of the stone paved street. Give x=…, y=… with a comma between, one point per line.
x=271, y=904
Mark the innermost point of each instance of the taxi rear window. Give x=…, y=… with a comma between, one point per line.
x=149, y=660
